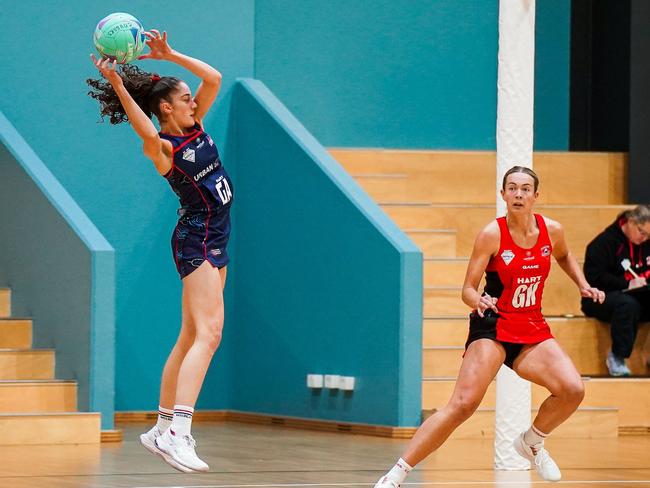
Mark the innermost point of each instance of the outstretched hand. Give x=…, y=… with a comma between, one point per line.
x=594, y=293
x=159, y=49
x=107, y=68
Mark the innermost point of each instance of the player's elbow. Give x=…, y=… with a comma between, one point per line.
x=214, y=78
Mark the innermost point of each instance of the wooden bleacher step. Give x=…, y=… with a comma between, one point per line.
x=581, y=222
x=5, y=302
x=585, y=340
x=434, y=242
x=386, y=187
x=53, y=428
x=34, y=407
x=15, y=333
x=585, y=423
x=442, y=176
x=631, y=396
x=26, y=364
x=37, y=396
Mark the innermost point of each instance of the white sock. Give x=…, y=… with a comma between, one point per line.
x=182, y=421
x=534, y=436
x=399, y=472
x=165, y=416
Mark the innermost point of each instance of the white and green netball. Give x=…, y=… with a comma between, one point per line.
x=119, y=37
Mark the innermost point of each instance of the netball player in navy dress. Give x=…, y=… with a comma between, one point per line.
x=507, y=327
x=187, y=157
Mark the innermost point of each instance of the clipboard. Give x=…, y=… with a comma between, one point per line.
x=638, y=292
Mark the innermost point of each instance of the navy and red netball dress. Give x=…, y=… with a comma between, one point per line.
x=205, y=193
x=515, y=276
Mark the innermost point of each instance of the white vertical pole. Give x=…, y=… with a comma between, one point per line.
x=515, y=87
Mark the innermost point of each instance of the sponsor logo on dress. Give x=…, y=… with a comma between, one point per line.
x=530, y=266
x=507, y=255
x=188, y=155
x=546, y=251
x=215, y=252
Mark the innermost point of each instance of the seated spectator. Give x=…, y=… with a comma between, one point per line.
x=618, y=259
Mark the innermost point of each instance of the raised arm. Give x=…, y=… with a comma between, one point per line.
x=485, y=246
x=569, y=264
x=207, y=91
x=153, y=147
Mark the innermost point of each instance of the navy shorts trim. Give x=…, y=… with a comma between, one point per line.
x=486, y=328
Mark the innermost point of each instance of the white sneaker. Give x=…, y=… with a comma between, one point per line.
x=386, y=482
x=148, y=440
x=544, y=464
x=181, y=449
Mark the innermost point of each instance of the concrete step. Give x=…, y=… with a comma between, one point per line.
x=50, y=428
x=15, y=333
x=38, y=396
x=26, y=364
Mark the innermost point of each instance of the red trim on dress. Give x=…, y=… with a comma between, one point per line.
x=178, y=148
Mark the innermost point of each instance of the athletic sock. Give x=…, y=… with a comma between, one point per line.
x=534, y=436
x=399, y=472
x=165, y=416
x=182, y=421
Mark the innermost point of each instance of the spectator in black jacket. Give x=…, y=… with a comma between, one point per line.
x=616, y=260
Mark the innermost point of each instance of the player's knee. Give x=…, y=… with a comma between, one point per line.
x=210, y=337
x=464, y=406
x=573, y=391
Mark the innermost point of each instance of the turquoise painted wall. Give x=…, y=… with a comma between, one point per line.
x=325, y=282
x=405, y=73
x=103, y=168
x=552, y=70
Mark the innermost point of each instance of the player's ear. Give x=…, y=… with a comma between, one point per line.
x=165, y=107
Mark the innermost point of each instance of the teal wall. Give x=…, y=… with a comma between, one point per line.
x=325, y=282
x=405, y=73
x=552, y=70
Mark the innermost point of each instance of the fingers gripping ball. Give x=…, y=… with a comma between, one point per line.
x=119, y=37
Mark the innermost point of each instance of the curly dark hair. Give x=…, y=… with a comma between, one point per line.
x=147, y=89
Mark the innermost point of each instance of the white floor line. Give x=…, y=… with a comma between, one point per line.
x=422, y=483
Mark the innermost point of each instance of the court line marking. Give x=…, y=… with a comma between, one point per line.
x=421, y=483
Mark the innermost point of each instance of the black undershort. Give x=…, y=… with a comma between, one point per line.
x=486, y=328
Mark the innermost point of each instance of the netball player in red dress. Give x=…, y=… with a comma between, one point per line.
x=507, y=327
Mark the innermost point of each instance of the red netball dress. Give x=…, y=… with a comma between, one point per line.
x=516, y=277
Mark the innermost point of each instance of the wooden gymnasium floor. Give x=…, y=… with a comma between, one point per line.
x=251, y=456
